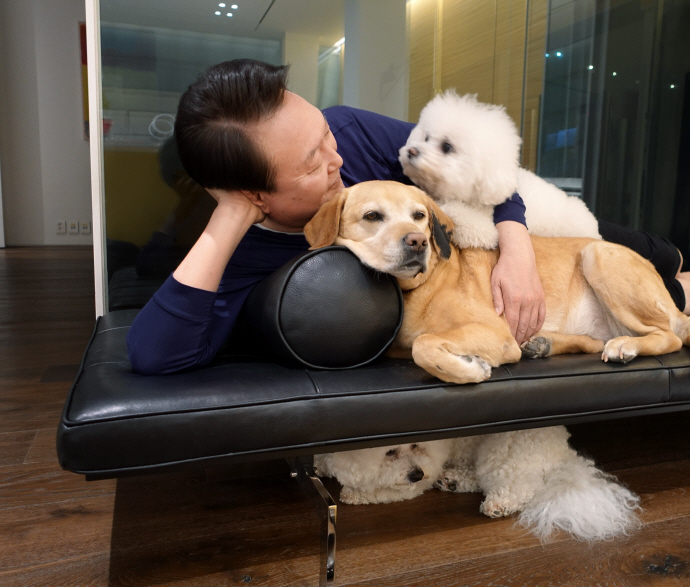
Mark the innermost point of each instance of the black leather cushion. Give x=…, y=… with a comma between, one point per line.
x=324, y=310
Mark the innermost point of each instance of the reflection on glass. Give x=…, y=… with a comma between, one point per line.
x=614, y=111
x=568, y=71
x=154, y=211
x=598, y=91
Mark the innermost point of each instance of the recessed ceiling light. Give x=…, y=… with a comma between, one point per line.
x=222, y=5
x=229, y=13
x=217, y=12
x=234, y=7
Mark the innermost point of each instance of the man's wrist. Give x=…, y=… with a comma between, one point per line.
x=512, y=235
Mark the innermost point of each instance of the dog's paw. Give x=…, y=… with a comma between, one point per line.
x=536, y=347
x=499, y=506
x=460, y=369
x=443, y=359
x=457, y=480
x=477, y=369
x=619, y=350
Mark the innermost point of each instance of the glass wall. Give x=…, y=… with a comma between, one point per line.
x=598, y=89
x=150, y=53
x=615, y=112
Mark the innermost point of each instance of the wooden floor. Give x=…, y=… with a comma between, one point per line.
x=252, y=525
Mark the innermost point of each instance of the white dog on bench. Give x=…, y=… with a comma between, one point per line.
x=465, y=155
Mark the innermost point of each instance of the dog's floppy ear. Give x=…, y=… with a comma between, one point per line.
x=322, y=230
x=441, y=229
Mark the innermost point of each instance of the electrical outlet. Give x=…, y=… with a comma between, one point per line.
x=84, y=228
x=61, y=227
x=73, y=227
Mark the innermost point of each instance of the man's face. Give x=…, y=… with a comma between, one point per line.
x=303, y=150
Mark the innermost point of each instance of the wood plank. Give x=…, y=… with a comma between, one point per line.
x=46, y=483
x=28, y=416
x=28, y=390
x=662, y=558
x=14, y=446
x=60, y=373
x=47, y=533
x=43, y=448
x=86, y=571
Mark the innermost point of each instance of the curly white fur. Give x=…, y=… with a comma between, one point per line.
x=465, y=155
x=534, y=472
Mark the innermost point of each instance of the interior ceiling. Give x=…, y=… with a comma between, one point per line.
x=320, y=18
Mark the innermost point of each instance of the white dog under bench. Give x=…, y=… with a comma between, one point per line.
x=117, y=423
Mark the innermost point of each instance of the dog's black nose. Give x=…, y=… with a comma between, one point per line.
x=415, y=475
x=417, y=241
x=412, y=153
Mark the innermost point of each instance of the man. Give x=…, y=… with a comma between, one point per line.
x=270, y=159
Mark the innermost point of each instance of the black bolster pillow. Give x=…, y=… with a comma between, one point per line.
x=324, y=310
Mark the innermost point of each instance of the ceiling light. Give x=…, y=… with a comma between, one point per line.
x=673, y=86
x=559, y=54
x=614, y=73
x=217, y=12
x=222, y=5
x=234, y=7
x=591, y=67
x=229, y=13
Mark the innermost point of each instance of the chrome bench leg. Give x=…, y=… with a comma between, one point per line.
x=303, y=471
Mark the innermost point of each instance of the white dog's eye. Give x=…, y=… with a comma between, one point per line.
x=418, y=215
x=373, y=216
x=446, y=147
x=392, y=452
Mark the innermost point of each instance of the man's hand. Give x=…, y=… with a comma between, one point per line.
x=241, y=202
x=205, y=263
x=515, y=283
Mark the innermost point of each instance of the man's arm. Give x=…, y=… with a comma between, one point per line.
x=203, y=266
x=515, y=283
x=187, y=321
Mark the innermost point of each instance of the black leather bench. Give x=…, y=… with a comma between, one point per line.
x=241, y=408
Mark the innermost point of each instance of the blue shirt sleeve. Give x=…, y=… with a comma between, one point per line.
x=512, y=209
x=183, y=327
x=368, y=143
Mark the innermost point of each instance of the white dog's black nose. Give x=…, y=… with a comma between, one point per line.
x=417, y=241
x=415, y=475
x=412, y=153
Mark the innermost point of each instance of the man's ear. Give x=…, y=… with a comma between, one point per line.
x=322, y=230
x=441, y=227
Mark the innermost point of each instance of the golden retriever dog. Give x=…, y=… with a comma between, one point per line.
x=600, y=297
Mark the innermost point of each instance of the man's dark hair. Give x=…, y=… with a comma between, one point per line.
x=213, y=116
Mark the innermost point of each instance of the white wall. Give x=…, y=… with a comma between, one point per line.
x=45, y=159
x=375, y=73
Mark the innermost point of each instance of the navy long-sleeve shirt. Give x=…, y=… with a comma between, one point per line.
x=183, y=327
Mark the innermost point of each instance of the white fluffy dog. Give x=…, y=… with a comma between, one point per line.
x=465, y=155
x=534, y=472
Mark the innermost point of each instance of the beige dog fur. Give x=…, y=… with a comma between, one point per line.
x=600, y=297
